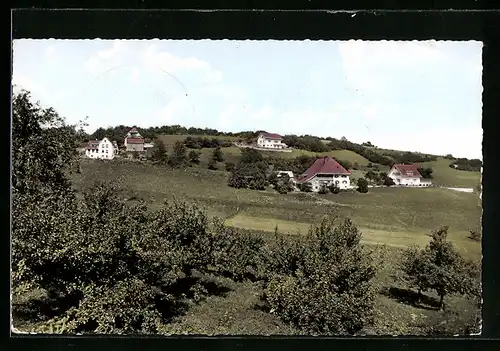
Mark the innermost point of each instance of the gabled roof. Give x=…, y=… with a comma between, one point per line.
x=134, y=140
x=410, y=171
x=93, y=144
x=324, y=165
x=271, y=136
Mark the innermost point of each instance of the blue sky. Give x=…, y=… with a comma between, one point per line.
x=414, y=95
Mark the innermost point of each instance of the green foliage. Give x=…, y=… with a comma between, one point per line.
x=322, y=284
x=43, y=147
x=159, y=154
x=179, y=155
x=362, y=185
x=426, y=172
x=346, y=164
x=283, y=184
x=194, y=157
x=249, y=155
x=388, y=181
x=229, y=166
x=440, y=268
x=248, y=175
x=273, y=179
x=305, y=187
x=217, y=155
x=323, y=189
x=334, y=189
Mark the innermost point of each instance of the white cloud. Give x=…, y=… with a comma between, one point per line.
x=50, y=55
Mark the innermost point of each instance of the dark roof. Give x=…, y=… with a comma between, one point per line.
x=324, y=165
x=135, y=140
x=93, y=144
x=133, y=130
x=271, y=136
x=410, y=171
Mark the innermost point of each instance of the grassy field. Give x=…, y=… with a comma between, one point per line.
x=393, y=216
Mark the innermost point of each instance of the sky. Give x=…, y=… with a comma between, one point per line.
x=408, y=95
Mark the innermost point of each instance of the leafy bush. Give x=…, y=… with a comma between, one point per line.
x=389, y=181
x=475, y=235
x=334, y=189
x=305, y=187
x=362, y=185
x=323, y=189
x=322, y=284
x=229, y=166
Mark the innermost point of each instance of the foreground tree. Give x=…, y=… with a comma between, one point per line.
x=323, y=283
x=439, y=267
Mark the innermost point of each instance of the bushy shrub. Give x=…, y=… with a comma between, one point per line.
x=362, y=185
x=305, y=187
x=323, y=286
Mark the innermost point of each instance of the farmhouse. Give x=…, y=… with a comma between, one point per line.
x=407, y=175
x=103, y=149
x=325, y=171
x=134, y=141
x=270, y=141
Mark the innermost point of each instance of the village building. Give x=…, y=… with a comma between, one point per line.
x=270, y=141
x=134, y=141
x=407, y=175
x=284, y=173
x=102, y=149
x=325, y=171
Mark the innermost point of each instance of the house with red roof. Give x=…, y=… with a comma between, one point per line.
x=102, y=149
x=134, y=141
x=407, y=175
x=270, y=141
x=325, y=171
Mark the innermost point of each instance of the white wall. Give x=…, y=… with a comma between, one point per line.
x=270, y=143
x=105, y=150
x=341, y=180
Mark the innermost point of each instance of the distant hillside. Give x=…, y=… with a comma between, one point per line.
x=360, y=158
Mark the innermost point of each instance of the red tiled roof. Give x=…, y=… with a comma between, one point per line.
x=135, y=140
x=323, y=165
x=93, y=144
x=410, y=171
x=271, y=136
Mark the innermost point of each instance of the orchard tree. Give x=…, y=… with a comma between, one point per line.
x=212, y=165
x=322, y=283
x=439, y=267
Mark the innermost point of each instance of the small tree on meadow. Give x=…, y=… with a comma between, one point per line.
x=179, y=154
x=229, y=166
x=194, y=157
x=159, y=154
x=362, y=185
x=475, y=235
x=217, y=154
x=439, y=267
x=284, y=184
x=212, y=165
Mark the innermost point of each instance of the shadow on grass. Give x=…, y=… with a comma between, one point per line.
x=411, y=298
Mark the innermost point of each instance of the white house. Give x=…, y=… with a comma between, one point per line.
x=407, y=175
x=133, y=140
x=270, y=141
x=325, y=171
x=103, y=149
